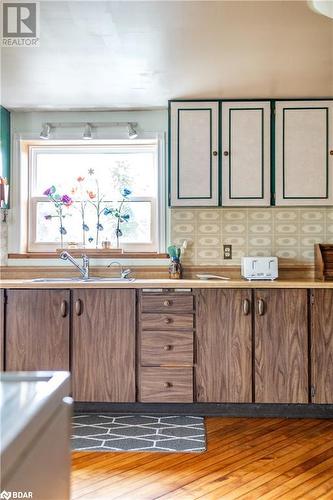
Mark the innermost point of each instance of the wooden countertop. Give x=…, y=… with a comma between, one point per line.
x=167, y=283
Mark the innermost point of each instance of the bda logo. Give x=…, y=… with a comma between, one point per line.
x=20, y=24
x=5, y=494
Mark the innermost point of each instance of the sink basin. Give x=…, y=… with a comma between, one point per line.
x=80, y=280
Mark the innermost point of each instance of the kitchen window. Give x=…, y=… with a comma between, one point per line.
x=99, y=179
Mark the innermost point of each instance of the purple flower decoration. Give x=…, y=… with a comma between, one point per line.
x=125, y=192
x=66, y=200
x=50, y=191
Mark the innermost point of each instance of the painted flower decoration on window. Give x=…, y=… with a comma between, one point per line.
x=66, y=200
x=125, y=192
x=91, y=194
x=50, y=191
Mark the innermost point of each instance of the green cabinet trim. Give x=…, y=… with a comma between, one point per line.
x=262, y=156
x=283, y=155
x=210, y=165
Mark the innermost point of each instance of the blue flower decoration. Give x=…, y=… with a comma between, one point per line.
x=99, y=227
x=107, y=211
x=126, y=217
x=125, y=192
x=62, y=230
x=90, y=239
x=119, y=232
x=85, y=227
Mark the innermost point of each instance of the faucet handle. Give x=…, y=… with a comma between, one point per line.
x=125, y=273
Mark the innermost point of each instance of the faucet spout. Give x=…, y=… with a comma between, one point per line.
x=84, y=269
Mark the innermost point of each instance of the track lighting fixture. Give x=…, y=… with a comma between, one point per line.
x=45, y=132
x=132, y=133
x=87, y=134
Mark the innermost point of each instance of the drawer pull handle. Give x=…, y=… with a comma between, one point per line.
x=167, y=347
x=246, y=307
x=63, y=308
x=167, y=385
x=261, y=307
x=167, y=321
x=167, y=303
x=78, y=307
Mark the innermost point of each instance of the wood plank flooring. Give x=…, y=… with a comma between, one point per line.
x=247, y=458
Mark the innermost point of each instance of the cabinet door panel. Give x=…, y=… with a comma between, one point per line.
x=224, y=351
x=37, y=330
x=246, y=153
x=303, y=162
x=194, y=165
x=103, y=363
x=322, y=346
x=281, y=346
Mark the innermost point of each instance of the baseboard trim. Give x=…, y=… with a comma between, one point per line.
x=250, y=410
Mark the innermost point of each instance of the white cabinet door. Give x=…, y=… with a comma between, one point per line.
x=194, y=153
x=246, y=153
x=303, y=152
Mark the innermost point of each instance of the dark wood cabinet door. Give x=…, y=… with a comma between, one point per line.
x=322, y=346
x=103, y=353
x=223, y=346
x=281, y=346
x=37, y=330
x=2, y=328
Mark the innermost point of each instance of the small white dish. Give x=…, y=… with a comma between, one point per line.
x=211, y=277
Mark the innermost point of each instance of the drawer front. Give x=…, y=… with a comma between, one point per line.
x=166, y=348
x=167, y=303
x=166, y=385
x=164, y=321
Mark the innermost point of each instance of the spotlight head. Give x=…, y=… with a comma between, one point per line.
x=87, y=134
x=132, y=133
x=45, y=132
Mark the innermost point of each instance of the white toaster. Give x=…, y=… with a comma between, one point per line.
x=260, y=268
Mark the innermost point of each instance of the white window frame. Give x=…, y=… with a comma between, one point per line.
x=157, y=240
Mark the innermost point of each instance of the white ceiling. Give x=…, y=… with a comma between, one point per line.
x=121, y=54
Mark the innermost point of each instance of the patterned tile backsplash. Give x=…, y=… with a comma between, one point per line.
x=288, y=233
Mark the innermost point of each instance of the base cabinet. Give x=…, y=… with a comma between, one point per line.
x=281, y=346
x=103, y=345
x=322, y=346
x=224, y=350
x=37, y=330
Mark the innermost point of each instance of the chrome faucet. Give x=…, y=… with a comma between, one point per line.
x=84, y=269
x=123, y=273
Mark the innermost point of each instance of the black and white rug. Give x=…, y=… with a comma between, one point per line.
x=103, y=432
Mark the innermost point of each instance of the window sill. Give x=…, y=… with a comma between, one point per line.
x=95, y=254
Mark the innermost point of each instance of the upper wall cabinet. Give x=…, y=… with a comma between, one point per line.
x=246, y=153
x=304, y=153
x=194, y=153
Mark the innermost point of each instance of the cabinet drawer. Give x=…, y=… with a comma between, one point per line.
x=164, y=321
x=167, y=303
x=166, y=385
x=166, y=348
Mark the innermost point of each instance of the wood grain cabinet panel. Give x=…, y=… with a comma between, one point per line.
x=159, y=321
x=166, y=348
x=281, y=346
x=167, y=303
x=103, y=345
x=322, y=346
x=37, y=330
x=2, y=328
x=224, y=337
x=166, y=385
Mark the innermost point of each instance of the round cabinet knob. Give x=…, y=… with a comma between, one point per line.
x=167, y=385
x=167, y=347
x=167, y=303
x=214, y=153
x=167, y=321
x=226, y=153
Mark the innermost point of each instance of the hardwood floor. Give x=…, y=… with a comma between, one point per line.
x=247, y=458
